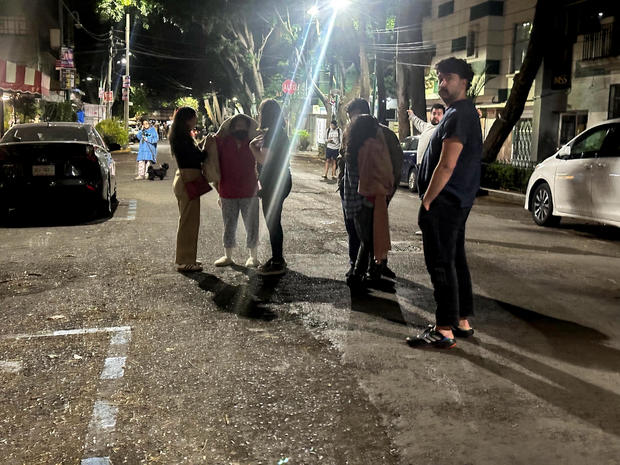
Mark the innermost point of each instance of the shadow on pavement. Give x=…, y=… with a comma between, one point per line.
x=53, y=217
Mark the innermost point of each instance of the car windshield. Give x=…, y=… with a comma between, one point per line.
x=46, y=133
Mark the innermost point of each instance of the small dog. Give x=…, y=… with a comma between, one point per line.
x=158, y=172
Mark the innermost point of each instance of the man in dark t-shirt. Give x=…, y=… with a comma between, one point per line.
x=448, y=181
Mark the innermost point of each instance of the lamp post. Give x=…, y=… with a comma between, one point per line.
x=126, y=113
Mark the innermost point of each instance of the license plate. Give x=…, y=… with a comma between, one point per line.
x=43, y=170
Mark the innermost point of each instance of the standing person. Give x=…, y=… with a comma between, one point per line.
x=426, y=128
x=356, y=108
x=147, y=151
x=368, y=181
x=271, y=151
x=332, y=147
x=448, y=182
x=238, y=187
x=189, y=160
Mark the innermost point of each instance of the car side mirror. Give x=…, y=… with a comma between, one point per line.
x=564, y=152
x=114, y=147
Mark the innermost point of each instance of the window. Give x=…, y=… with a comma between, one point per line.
x=519, y=44
x=491, y=8
x=459, y=44
x=590, y=144
x=471, y=44
x=572, y=124
x=13, y=25
x=614, y=101
x=611, y=146
x=445, y=9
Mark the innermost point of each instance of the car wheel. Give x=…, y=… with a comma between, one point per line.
x=105, y=206
x=542, y=206
x=412, y=181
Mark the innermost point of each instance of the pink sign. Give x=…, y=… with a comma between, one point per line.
x=289, y=87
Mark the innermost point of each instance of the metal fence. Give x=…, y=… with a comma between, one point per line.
x=522, y=144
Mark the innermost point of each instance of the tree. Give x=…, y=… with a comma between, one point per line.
x=540, y=38
x=410, y=58
x=114, y=10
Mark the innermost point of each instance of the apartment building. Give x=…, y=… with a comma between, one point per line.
x=577, y=85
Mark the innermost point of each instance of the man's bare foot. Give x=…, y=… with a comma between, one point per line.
x=446, y=331
x=464, y=324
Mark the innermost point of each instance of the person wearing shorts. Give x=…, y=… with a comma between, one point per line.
x=332, y=147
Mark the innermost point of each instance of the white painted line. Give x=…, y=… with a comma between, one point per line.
x=10, y=366
x=120, y=338
x=113, y=368
x=104, y=416
x=68, y=332
x=96, y=461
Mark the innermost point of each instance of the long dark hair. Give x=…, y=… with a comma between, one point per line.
x=362, y=128
x=270, y=114
x=180, y=128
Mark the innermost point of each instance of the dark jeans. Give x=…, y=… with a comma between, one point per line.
x=272, y=210
x=363, y=226
x=443, y=232
x=354, y=241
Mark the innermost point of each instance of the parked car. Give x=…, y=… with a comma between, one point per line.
x=57, y=162
x=581, y=180
x=409, y=173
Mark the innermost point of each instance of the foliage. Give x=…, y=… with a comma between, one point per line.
x=498, y=175
x=140, y=99
x=57, y=111
x=187, y=102
x=25, y=107
x=322, y=148
x=113, y=132
x=303, y=139
x=115, y=9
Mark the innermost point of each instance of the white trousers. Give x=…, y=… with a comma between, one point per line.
x=143, y=167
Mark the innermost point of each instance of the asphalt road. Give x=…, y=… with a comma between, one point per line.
x=223, y=367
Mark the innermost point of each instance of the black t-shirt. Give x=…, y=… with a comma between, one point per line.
x=461, y=121
x=277, y=165
x=186, y=152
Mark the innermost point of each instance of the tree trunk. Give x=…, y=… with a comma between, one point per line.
x=364, y=67
x=540, y=38
x=410, y=79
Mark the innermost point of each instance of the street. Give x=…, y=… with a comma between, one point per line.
x=107, y=355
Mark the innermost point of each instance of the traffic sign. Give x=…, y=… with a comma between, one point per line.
x=289, y=86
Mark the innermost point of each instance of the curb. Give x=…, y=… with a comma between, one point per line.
x=512, y=197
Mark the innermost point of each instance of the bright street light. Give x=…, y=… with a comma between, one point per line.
x=89, y=78
x=340, y=4
x=314, y=10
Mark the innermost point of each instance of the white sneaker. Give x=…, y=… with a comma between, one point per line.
x=223, y=261
x=138, y=178
x=252, y=262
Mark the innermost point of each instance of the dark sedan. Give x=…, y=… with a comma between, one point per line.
x=409, y=173
x=56, y=163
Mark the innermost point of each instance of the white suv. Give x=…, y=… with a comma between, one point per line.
x=581, y=180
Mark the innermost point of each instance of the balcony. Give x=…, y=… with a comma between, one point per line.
x=598, y=44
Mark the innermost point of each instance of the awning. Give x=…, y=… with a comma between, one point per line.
x=18, y=78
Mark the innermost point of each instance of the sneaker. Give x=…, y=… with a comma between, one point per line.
x=272, y=267
x=458, y=332
x=252, y=262
x=324, y=177
x=431, y=338
x=138, y=178
x=350, y=272
x=223, y=261
x=189, y=268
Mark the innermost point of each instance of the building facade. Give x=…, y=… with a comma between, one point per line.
x=577, y=86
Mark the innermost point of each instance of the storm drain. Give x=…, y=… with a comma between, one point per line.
x=410, y=247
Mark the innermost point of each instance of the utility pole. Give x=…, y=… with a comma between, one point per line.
x=108, y=87
x=127, y=70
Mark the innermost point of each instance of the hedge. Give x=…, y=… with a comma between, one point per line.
x=505, y=176
x=113, y=132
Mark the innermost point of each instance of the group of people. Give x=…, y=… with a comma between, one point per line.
x=253, y=160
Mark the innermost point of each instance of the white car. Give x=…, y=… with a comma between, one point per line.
x=581, y=180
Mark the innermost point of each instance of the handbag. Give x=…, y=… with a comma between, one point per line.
x=211, y=166
x=197, y=187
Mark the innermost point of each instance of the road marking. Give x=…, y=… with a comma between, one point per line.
x=113, y=368
x=103, y=418
x=69, y=332
x=132, y=208
x=10, y=366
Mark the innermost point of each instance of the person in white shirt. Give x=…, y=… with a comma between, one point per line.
x=426, y=128
x=332, y=147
